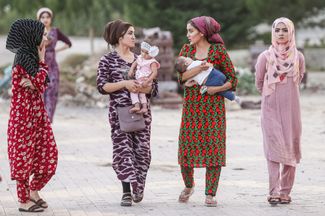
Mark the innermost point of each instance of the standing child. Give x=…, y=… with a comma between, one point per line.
x=146, y=72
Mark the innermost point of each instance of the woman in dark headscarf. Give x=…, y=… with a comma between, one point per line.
x=202, y=138
x=31, y=145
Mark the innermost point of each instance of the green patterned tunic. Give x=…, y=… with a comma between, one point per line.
x=202, y=137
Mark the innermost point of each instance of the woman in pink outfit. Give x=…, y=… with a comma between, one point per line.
x=279, y=71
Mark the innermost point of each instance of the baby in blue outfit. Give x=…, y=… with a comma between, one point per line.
x=210, y=77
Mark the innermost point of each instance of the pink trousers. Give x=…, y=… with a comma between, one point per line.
x=138, y=98
x=280, y=181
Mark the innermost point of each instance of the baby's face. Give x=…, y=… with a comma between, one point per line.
x=188, y=61
x=145, y=54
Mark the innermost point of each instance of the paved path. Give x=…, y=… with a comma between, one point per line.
x=85, y=183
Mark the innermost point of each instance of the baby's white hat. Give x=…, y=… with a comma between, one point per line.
x=152, y=50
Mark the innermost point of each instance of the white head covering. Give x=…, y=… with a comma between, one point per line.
x=42, y=10
x=152, y=50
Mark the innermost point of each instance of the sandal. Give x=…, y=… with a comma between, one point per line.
x=273, y=200
x=185, y=194
x=210, y=201
x=41, y=203
x=126, y=199
x=33, y=208
x=285, y=199
x=137, y=198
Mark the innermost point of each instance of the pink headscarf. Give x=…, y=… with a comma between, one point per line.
x=283, y=59
x=209, y=27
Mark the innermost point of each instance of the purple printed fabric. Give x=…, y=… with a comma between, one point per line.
x=52, y=92
x=131, y=151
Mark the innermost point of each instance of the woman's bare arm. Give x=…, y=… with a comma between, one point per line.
x=192, y=72
x=130, y=85
x=215, y=89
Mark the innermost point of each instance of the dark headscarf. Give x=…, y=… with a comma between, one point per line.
x=25, y=35
x=209, y=27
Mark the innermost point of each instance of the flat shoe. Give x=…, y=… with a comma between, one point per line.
x=185, y=194
x=126, y=199
x=137, y=198
x=273, y=200
x=41, y=203
x=33, y=208
x=285, y=199
x=210, y=201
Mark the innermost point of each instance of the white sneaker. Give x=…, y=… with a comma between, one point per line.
x=237, y=100
x=203, y=89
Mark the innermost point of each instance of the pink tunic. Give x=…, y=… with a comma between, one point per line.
x=144, y=67
x=280, y=118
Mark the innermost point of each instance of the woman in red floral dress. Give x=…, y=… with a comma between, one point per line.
x=202, y=138
x=31, y=145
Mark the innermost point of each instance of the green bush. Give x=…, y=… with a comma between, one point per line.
x=246, y=84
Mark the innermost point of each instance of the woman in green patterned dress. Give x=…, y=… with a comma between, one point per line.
x=202, y=137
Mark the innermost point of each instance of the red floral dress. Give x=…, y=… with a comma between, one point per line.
x=202, y=137
x=31, y=145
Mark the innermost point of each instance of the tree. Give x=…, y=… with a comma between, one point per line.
x=237, y=17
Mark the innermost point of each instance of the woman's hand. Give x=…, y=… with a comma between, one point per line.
x=41, y=52
x=146, y=83
x=131, y=74
x=26, y=83
x=132, y=85
x=204, y=66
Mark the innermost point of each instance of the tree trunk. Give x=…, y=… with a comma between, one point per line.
x=92, y=40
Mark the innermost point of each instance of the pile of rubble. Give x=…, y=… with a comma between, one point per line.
x=78, y=83
x=78, y=74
